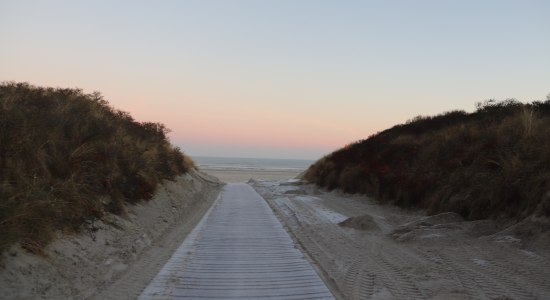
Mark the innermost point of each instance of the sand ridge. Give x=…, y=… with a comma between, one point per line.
x=118, y=258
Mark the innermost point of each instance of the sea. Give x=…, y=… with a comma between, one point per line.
x=251, y=164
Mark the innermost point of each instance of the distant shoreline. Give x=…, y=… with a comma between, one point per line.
x=199, y=157
x=243, y=169
x=235, y=175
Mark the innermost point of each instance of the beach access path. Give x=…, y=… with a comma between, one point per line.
x=239, y=250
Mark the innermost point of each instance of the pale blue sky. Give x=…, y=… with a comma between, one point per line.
x=292, y=79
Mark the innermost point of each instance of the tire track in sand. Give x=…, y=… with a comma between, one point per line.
x=367, y=264
x=359, y=279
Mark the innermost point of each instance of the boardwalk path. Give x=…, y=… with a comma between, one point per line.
x=238, y=251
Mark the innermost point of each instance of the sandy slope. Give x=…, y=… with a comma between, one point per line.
x=119, y=259
x=390, y=253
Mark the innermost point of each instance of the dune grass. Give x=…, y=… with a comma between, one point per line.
x=67, y=158
x=492, y=163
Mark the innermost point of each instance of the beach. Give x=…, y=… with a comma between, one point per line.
x=233, y=176
x=233, y=170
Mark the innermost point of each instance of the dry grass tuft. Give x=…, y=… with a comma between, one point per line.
x=488, y=164
x=67, y=158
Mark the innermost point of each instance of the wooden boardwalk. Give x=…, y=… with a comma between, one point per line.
x=238, y=251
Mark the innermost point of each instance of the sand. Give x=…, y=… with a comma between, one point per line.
x=365, y=250
x=235, y=175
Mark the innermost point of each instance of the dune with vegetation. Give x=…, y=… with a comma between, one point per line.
x=491, y=163
x=88, y=196
x=67, y=158
x=454, y=206
x=94, y=203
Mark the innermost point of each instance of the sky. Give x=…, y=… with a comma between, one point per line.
x=282, y=78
